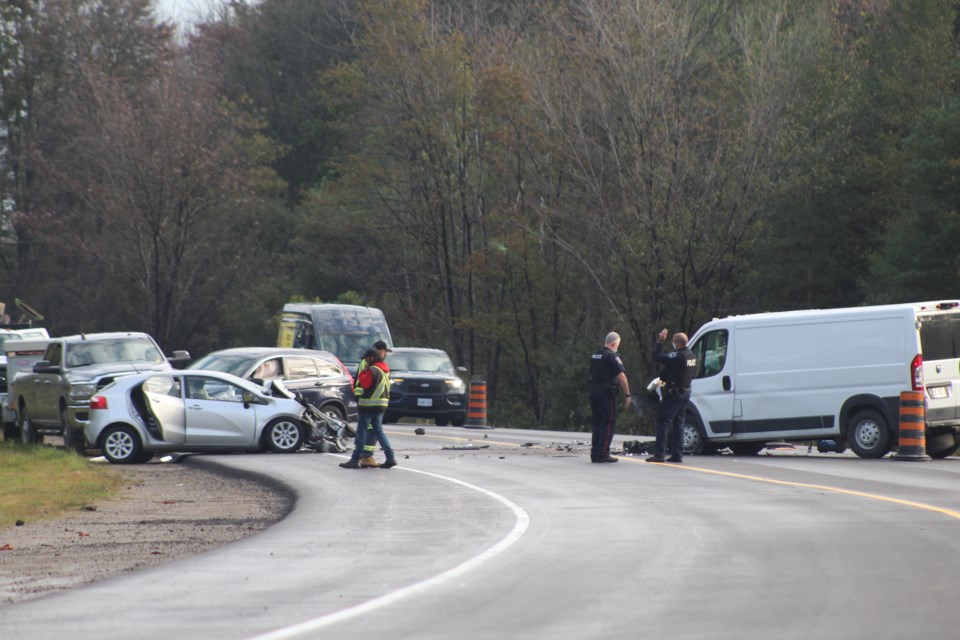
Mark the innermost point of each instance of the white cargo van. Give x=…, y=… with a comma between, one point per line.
x=826, y=374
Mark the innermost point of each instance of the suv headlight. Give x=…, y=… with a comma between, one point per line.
x=80, y=392
x=456, y=385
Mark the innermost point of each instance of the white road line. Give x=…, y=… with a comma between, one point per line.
x=519, y=529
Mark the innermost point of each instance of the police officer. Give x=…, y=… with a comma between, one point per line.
x=679, y=367
x=607, y=377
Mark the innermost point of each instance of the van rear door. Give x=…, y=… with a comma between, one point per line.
x=940, y=342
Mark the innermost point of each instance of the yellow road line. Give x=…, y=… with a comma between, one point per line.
x=820, y=487
x=740, y=476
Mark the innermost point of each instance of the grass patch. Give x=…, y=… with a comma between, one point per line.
x=38, y=482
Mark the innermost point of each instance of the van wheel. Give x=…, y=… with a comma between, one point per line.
x=694, y=441
x=868, y=434
x=746, y=448
x=942, y=445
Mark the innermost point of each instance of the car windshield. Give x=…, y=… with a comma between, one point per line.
x=427, y=361
x=236, y=364
x=103, y=351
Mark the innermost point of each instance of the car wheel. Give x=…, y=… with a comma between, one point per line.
x=73, y=439
x=28, y=432
x=121, y=445
x=442, y=421
x=868, y=434
x=747, y=448
x=942, y=445
x=459, y=420
x=283, y=436
x=390, y=418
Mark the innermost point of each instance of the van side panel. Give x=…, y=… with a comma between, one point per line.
x=793, y=378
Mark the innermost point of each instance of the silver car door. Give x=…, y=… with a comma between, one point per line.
x=166, y=406
x=216, y=414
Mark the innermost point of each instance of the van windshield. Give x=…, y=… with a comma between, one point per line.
x=940, y=337
x=349, y=347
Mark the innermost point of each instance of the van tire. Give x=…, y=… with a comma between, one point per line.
x=868, y=434
x=694, y=441
x=942, y=445
x=746, y=448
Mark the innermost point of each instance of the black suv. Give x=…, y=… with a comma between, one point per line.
x=425, y=384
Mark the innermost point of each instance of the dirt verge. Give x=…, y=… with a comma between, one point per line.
x=163, y=512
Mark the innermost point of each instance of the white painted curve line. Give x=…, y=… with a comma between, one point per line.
x=520, y=528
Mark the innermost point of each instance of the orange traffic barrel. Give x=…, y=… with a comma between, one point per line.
x=477, y=405
x=913, y=437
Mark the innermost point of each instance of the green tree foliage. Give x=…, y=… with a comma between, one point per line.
x=508, y=180
x=918, y=259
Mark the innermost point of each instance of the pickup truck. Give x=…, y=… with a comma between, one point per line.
x=18, y=348
x=54, y=398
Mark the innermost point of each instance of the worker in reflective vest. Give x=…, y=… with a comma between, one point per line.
x=373, y=396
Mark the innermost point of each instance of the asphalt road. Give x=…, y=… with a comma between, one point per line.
x=519, y=536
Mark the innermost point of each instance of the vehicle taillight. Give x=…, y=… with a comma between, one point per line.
x=98, y=402
x=948, y=305
x=916, y=372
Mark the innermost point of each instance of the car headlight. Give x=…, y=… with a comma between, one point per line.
x=80, y=392
x=456, y=385
x=396, y=381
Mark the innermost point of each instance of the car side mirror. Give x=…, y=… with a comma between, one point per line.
x=43, y=366
x=249, y=398
x=179, y=357
x=462, y=370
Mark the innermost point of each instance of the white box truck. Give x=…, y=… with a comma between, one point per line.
x=826, y=374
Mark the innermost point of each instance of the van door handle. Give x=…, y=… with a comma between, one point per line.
x=726, y=383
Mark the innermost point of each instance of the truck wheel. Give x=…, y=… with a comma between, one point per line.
x=28, y=432
x=11, y=432
x=72, y=438
x=942, y=445
x=121, y=445
x=73, y=441
x=459, y=419
x=283, y=436
x=868, y=434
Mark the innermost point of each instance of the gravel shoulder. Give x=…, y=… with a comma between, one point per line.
x=163, y=512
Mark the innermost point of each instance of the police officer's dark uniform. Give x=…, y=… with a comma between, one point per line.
x=679, y=367
x=605, y=367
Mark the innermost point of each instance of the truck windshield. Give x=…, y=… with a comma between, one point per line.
x=112, y=350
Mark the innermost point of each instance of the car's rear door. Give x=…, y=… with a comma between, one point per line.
x=165, y=402
x=216, y=413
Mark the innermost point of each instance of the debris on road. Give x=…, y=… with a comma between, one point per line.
x=465, y=447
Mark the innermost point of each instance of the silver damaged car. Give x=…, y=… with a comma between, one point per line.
x=140, y=415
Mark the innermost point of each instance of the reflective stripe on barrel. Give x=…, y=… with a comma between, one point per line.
x=913, y=437
x=477, y=405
